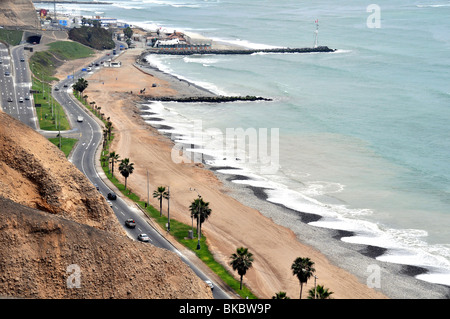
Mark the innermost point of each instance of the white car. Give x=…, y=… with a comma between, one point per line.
x=80, y=119
x=21, y=99
x=210, y=284
x=109, y=203
x=143, y=237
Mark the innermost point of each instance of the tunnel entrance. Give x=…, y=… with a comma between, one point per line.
x=34, y=39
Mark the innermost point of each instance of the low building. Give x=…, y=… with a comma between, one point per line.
x=112, y=64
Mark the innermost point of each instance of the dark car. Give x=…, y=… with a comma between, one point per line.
x=112, y=196
x=130, y=223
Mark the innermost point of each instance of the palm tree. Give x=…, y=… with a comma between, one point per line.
x=103, y=159
x=241, y=261
x=200, y=208
x=80, y=85
x=114, y=157
x=160, y=193
x=320, y=291
x=105, y=136
x=109, y=128
x=126, y=169
x=303, y=269
x=280, y=295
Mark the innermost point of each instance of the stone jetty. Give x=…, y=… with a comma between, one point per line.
x=207, y=99
x=189, y=51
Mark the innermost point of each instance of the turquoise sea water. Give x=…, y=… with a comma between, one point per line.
x=364, y=132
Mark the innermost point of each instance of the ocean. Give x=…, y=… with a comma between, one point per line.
x=362, y=134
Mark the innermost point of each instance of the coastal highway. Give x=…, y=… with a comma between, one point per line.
x=15, y=82
x=84, y=158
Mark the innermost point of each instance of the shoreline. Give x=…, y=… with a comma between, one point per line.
x=255, y=198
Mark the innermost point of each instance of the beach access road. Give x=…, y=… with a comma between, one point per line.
x=85, y=156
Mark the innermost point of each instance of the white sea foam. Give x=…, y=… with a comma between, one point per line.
x=125, y=6
x=245, y=43
x=157, y=62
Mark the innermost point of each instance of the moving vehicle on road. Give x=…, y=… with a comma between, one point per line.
x=21, y=99
x=210, y=284
x=80, y=119
x=9, y=99
x=109, y=203
x=112, y=196
x=130, y=223
x=143, y=237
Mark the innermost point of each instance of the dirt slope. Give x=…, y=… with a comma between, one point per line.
x=52, y=219
x=18, y=13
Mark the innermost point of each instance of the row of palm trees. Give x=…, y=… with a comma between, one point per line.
x=302, y=268
x=126, y=168
x=242, y=260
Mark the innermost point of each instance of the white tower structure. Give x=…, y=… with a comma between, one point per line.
x=316, y=34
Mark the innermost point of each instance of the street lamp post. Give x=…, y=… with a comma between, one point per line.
x=198, y=228
x=168, y=211
x=198, y=220
x=315, y=286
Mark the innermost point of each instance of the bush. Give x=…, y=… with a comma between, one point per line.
x=94, y=37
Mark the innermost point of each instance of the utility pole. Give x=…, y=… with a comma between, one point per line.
x=59, y=130
x=198, y=219
x=168, y=212
x=54, y=10
x=198, y=228
x=148, y=192
x=315, y=287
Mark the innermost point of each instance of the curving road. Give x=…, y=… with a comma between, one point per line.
x=15, y=83
x=83, y=156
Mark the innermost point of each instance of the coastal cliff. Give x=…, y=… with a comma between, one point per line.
x=18, y=13
x=53, y=221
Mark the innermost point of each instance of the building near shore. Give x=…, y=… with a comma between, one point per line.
x=181, y=41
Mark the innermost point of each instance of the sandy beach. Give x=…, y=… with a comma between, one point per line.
x=232, y=224
x=237, y=219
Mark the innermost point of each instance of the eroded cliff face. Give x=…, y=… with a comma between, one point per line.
x=20, y=13
x=60, y=239
x=47, y=256
x=35, y=173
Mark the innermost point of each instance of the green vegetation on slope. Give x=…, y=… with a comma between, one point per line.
x=94, y=37
x=43, y=66
x=69, y=50
x=12, y=37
